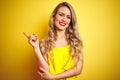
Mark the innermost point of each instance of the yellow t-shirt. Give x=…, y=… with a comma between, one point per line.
x=61, y=60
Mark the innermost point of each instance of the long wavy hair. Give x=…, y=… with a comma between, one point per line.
x=72, y=34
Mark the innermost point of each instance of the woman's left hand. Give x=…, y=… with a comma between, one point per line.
x=45, y=75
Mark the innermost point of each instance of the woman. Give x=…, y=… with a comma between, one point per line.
x=60, y=54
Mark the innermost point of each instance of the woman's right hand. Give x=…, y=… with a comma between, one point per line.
x=32, y=39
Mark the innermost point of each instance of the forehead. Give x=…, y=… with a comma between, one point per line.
x=64, y=10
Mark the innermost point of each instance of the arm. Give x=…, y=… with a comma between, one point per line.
x=33, y=40
x=69, y=73
x=72, y=72
x=40, y=58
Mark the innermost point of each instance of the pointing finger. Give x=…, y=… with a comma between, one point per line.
x=26, y=34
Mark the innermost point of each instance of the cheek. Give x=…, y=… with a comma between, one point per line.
x=69, y=21
x=56, y=19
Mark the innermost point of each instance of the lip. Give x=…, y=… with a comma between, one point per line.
x=62, y=23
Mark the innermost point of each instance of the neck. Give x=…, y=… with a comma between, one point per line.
x=60, y=34
x=61, y=39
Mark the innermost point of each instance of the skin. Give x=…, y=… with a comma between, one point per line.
x=63, y=15
x=34, y=42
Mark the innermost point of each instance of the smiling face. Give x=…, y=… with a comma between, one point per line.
x=62, y=18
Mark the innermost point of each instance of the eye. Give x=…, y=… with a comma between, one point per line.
x=69, y=17
x=61, y=14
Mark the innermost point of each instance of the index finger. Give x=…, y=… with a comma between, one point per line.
x=26, y=34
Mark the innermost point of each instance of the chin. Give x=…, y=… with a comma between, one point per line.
x=62, y=28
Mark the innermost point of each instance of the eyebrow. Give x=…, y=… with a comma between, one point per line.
x=64, y=13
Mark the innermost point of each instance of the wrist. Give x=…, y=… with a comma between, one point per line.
x=36, y=47
x=52, y=77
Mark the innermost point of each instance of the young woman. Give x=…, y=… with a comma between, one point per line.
x=60, y=53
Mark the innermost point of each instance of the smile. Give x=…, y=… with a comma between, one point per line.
x=62, y=23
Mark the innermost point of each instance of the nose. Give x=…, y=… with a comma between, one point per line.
x=64, y=18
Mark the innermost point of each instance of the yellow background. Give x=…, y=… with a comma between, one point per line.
x=99, y=24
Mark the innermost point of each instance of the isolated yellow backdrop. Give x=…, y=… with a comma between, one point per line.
x=99, y=26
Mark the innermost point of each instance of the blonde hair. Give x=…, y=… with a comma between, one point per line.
x=72, y=33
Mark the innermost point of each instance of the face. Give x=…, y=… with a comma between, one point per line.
x=62, y=18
